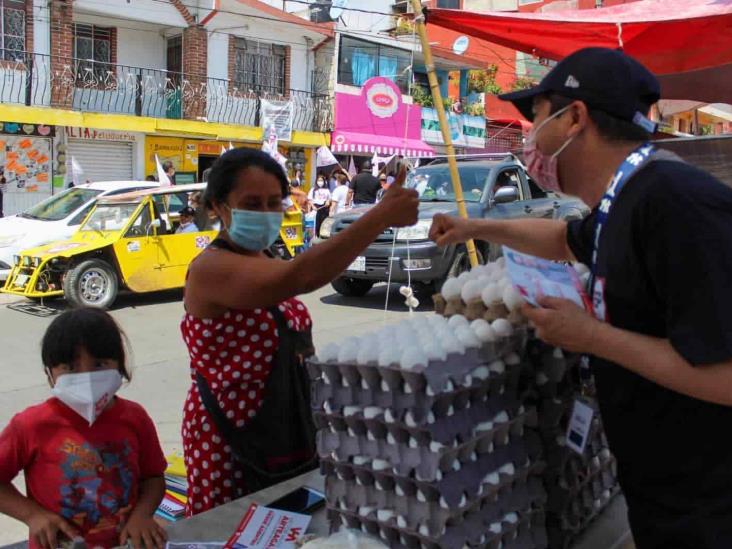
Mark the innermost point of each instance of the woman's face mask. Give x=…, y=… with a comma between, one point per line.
x=254, y=230
x=320, y=183
x=541, y=167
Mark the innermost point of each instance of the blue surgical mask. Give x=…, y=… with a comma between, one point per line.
x=255, y=231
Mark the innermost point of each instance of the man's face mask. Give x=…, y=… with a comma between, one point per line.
x=542, y=168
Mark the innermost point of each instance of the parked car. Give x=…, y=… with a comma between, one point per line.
x=127, y=241
x=56, y=218
x=497, y=187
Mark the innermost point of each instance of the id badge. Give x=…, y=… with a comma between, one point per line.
x=579, y=428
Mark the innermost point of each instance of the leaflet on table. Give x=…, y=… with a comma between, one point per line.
x=265, y=528
x=194, y=545
x=535, y=277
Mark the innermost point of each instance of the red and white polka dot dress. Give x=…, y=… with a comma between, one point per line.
x=234, y=353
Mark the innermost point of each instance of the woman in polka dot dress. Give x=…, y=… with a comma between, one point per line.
x=247, y=421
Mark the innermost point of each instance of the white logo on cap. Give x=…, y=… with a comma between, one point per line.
x=571, y=82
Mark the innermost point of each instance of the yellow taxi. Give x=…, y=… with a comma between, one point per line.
x=128, y=241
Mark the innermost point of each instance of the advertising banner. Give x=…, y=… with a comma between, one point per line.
x=465, y=130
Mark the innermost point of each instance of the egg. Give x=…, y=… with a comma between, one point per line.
x=433, y=350
x=497, y=367
x=329, y=353
x=507, y=469
x=492, y=478
x=471, y=290
x=511, y=518
x=384, y=515
x=500, y=262
x=371, y=412
x=512, y=359
x=467, y=337
x=581, y=268
x=484, y=332
x=501, y=417
x=413, y=356
x=512, y=298
x=452, y=345
x=380, y=465
x=457, y=320
x=502, y=327
x=557, y=353
x=482, y=373
x=389, y=355
x=451, y=288
x=464, y=277
x=491, y=294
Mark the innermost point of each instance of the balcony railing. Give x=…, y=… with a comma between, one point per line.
x=42, y=80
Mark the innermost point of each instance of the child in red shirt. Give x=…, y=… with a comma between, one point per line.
x=92, y=461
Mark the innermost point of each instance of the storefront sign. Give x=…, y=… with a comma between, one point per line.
x=277, y=116
x=465, y=130
x=15, y=128
x=98, y=135
x=382, y=97
x=25, y=162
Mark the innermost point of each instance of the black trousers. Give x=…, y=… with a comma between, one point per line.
x=320, y=216
x=708, y=526
x=2, y=214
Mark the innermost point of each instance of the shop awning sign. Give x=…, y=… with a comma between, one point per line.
x=277, y=115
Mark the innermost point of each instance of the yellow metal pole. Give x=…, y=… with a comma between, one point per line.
x=442, y=117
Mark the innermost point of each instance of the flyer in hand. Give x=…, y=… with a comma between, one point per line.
x=534, y=278
x=265, y=528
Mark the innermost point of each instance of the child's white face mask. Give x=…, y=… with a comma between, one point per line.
x=87, y=393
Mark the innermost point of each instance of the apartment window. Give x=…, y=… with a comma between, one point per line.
x=12, y=29
x=92, y=53
x=449, y=4
x=361, y=60
x=259, y=66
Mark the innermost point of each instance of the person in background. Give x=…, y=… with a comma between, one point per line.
x=169, y=170
x=385, y=184
x=205, y=174
x=148, y=178
x=659, y=246
x=247, y=415
x=187, y=221
x=364, y=186
x=92, y=461
x=3, y=188
x=339, y=198
x=202, y=217
x=320, y=200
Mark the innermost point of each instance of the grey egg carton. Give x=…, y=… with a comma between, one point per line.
x=527, y=533
x=408, y=393
x=419, y=502
x=451, y=485
x=445, y=422
x=434, y=374
x=411, y=452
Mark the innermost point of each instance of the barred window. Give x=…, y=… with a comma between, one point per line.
x=259, y=66
x=92, y=53
x=12, y=29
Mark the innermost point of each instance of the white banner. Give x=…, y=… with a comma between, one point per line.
x=277, y=115
x=465, y=130
x=324, y=157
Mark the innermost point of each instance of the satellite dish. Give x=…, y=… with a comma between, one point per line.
x=336, y=9
x=461, y=44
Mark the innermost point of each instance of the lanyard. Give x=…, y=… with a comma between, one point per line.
x=632, y=163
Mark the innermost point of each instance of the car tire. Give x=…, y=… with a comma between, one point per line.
x=91, y=283
x=352, y=287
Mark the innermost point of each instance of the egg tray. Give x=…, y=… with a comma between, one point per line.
x=355, y=487
x=527, y=533
x=560, y=497
x=435, y=373
x=428, y=425
x=402, y=398
x=453, y=484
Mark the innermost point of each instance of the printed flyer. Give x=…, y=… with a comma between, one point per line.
x=265, y=528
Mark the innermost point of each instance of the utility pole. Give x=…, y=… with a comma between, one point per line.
x=421, y=28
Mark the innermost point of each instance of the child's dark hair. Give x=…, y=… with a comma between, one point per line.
x=93, y=329
x=228, y=165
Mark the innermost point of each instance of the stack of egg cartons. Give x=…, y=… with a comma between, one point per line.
x=578, y=487
x=422, y=437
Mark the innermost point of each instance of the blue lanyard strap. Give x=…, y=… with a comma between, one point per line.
x=632, y=163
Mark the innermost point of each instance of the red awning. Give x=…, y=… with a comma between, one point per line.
x=687, y=43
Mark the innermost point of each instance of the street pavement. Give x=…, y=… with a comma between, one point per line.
x=159, y=365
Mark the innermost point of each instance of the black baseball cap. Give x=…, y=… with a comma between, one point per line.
x=187, y=211
x=604, y=79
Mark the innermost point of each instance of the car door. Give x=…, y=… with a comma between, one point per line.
x=137, y=252
x=176, y=251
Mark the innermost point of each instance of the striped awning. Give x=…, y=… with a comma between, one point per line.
x=343, y=142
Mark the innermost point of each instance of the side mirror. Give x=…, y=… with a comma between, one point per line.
x=504, y=195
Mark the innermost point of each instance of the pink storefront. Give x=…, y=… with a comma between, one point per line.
x=378, y=121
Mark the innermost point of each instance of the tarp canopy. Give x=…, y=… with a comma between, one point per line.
x=686, y=43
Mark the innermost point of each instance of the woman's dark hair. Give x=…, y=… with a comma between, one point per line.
x=610, y=127
x=224, y=171
x=93, y=329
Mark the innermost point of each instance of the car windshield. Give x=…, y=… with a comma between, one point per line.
x=62, y=205
x=112, y=217
x=433, y=183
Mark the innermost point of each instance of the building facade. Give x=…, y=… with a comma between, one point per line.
x=114, y=84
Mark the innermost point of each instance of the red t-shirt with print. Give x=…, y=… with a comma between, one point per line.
x=87, y=474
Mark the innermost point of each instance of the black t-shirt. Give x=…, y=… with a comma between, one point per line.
x=365, y=186
x=666, y=259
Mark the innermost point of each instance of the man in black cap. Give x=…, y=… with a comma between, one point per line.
x=187, y=221
x=659, y=246
x=364, y=186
